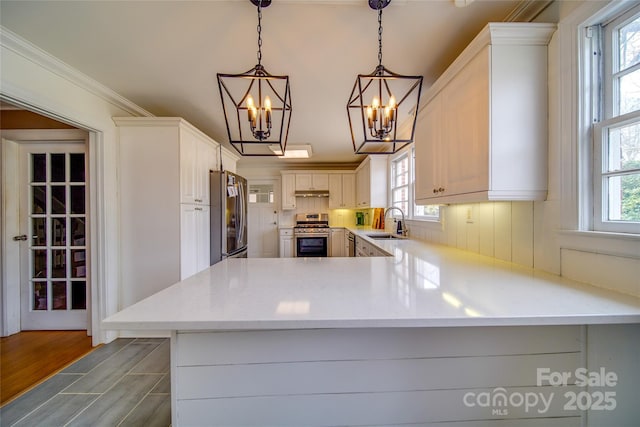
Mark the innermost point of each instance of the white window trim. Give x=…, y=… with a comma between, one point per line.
x=573, y=115
x=602, y=114
x=410, y=152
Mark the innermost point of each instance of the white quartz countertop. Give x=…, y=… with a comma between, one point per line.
x=422, y=285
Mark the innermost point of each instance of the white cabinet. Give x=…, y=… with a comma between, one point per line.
x=337, y=242
x=342, y=191
x=371, y=182
x=483, y=132
x=197, y=158
x=367, y=249
x=194, y=239
x=163, y=163
x=287, y=248
x=312, y=181
x=288, y=191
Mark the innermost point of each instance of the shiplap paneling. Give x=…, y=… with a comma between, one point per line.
x=356, y=409
x=613, y=272
x=384, y=376
x=201, y=348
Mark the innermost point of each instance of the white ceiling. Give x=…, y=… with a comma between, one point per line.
x=164, y=55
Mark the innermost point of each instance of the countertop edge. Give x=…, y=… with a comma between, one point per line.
x=587, y=319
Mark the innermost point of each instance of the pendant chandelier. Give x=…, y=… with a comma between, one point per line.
x=256, y=105
x=383, y=105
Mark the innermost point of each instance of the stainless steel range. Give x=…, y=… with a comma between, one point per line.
x=312, y=235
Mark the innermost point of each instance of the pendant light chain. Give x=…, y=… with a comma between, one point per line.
x=380, y=33
x=259, y=32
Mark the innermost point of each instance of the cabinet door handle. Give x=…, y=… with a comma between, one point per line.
x=21, y=237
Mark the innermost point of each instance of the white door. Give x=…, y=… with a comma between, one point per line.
x=263, y=220
x=53, y=232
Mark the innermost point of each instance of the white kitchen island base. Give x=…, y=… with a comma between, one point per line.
x=472, y=376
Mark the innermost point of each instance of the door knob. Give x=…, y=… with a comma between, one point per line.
x=20, y=237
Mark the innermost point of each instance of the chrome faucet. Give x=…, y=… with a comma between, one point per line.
x=403, y=229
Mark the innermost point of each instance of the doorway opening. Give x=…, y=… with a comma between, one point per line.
x=45, y=257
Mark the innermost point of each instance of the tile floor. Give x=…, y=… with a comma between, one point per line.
x=123, y=383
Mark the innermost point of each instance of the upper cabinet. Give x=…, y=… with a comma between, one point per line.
x=288, y=191
x=342, y=190
x=312, y=181
x=371, y=182
x=197, y=157
x=482, y=134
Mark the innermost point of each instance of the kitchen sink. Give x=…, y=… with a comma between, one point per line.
x=385, y=236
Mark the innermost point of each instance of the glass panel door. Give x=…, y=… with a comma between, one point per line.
x=55, y=294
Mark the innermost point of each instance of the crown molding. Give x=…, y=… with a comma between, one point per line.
x=527, y=10
x=33, y=53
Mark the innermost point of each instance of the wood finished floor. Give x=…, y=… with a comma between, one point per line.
x=123, y=383
x=29, y=357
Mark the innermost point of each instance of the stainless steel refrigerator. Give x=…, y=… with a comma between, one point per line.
x=228, y=216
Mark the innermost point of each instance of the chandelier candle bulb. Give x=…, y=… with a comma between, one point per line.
x=376, y=105
x=250, y=109
x=267, y=108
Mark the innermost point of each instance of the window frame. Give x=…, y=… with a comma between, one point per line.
x=603, y=40
x=409, y=153
x=392, y=187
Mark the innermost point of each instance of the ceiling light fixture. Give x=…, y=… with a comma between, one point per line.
x=299, y=151
x=256, y=105
x=383, y=105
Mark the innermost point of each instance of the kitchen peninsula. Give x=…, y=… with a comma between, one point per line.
x=412, y=338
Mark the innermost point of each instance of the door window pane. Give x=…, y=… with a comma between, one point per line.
x=78, y=295
x=38, y=231
x=59, y=295
x=58, y=231
x=38, y=167
x=39, y=295
x=77, y=232
x=57, y=168
x=77, y=199
x=38, y=199
x=58, y=199
x=39, y=263
x=59, y=263
x=76, y=167
x=78, y=263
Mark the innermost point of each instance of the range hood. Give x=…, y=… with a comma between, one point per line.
x=312, y=193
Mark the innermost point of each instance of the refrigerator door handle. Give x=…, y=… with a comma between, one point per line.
x=242, y=208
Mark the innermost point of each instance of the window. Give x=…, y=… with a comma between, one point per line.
x=402, y=189
x=261, y=193
x=616, y=137
x=400, y=183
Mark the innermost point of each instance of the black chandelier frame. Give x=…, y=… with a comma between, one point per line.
x=254, y=137
x=382, y=138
